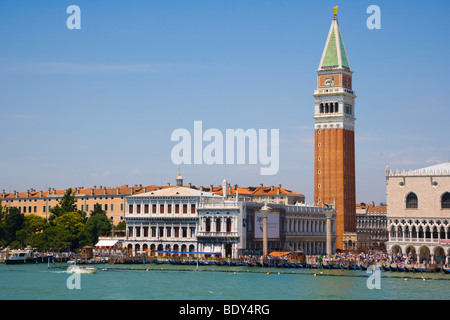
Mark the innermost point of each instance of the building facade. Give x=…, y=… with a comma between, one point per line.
x=180, y=219
x=334, y=142
x=371, y=227
x=418, y=213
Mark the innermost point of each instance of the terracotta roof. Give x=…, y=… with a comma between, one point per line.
x=126, y=190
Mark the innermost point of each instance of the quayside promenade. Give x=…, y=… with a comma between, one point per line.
x=337, y=261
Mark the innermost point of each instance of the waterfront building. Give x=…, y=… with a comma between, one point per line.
x=164, y=220
x=181, y=219
x=371, y=226
x=418, y=213
x=334, y=142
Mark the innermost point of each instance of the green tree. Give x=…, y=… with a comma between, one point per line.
x=12, y=222
x=97, y=225
x=122, y=225
x=67, y=204
x=73, y=224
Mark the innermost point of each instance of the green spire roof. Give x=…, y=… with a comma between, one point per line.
x=334, y=55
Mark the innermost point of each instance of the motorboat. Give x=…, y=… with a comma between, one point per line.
x=81, y=269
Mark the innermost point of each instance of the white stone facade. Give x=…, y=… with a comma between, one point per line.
x=418, y=213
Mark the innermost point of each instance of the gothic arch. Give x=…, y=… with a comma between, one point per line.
x=411, y=202
x=445, y=200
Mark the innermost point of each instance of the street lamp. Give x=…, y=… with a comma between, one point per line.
x=265, y=212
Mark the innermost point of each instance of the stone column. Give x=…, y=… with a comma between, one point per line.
x=265, y=212
x=329, y=247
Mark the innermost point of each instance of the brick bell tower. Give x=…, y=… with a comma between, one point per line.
x=334, y=124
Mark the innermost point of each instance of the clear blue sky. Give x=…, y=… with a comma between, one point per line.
x=97, y=106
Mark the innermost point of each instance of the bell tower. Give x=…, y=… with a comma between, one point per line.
x=334, y=125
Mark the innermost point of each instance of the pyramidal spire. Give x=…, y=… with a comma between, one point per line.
x=334, y=55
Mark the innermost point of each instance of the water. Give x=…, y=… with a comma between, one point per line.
x=170, y=282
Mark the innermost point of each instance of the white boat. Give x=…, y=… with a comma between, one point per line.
x=81, y=269
x=20, y=256
x=71, y=262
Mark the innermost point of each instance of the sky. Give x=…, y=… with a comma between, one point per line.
x=98, y=105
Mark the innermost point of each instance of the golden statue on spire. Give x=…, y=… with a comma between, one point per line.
x=335, y=10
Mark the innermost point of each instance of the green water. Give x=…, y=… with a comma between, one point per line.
x=169, y=282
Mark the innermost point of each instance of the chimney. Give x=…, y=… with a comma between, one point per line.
x=92, y=191
x=49, y=190
x=3, y=193
x=140, y=185
x=168, y=183
x=16, y=194
x=190, y=185
x=211, y=188
x=261, y=185
x=104, y=191
x=278, y=189
x=94, y=187
x=118, y=190
x=235, y=187
x=201, y=188
x=28, y=193
x=41, y=194
x=271, y=188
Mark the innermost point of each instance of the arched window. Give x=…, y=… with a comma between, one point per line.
x=445, y=201
x=411, y=201
x=336, y=107
x=326, y=107
x=331, y=107
x=208, y=225
x=321, y=108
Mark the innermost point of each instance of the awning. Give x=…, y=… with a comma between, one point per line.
x=185, y=252
x=106, y=243
x=279, y=253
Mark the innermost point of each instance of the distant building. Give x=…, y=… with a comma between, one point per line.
x=418, y=212
x=112, y=199
x=371, y=226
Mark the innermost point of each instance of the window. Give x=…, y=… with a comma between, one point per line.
x=229, y=225
x=106, y=207
x=218, y=225
x=145, y=208
x=161, y=208
x=169, y=208
x=121, y=207
x=411, y=201
x=111, y=207
x=445, y=201
x=130, y=208
x=192, y=208
x=138, y=208
x=208, y=225
x=321, y=108
x=184, y=208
